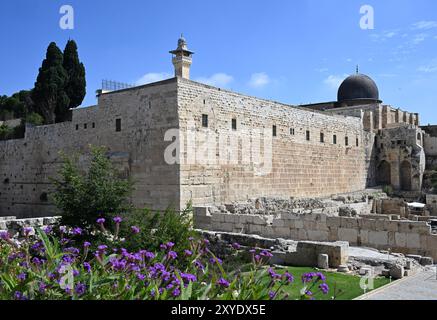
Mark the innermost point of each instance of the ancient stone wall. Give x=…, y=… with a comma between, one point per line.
x=143, y=115
x=304, y=163
x=406, y=237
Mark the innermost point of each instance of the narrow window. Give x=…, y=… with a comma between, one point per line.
x=346, y=141
x=334, y=139
x=308, y=137
x=85, y=125
x=274, y=131
x=77, y=127
x=322, y=137
x=358, y=142
x=94, y=125
x=292, y=131
x=117, y=125
x=205, y=120
x=234, y=124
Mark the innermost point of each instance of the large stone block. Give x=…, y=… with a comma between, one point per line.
x=378, y=238
x=349, y=235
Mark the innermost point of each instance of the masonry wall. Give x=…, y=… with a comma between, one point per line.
x=300, y=168
x=378, y=232
x=146, y=113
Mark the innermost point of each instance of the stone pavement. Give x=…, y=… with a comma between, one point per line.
x=421, y=286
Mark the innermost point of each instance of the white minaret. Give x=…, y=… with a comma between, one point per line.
x=182, y=59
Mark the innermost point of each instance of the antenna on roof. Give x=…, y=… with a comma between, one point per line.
x=357, y=69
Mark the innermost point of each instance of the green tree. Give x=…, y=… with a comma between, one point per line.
x=49, y=94
x=76, y=84
x=82, y=197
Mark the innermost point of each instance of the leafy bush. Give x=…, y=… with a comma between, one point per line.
x=46, y=267
x=388, y=190
x=34, y=119
x=156, y=228
x=98, y=192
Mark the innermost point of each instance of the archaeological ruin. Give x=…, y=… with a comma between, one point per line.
x=353, y=172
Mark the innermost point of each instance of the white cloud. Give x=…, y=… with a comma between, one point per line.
x=152, y=77
x=429, y=68
x=424, y=25
x=217, y=80
x=385, y=35
x=259, y=80
x=334, y=81
x=418, y=38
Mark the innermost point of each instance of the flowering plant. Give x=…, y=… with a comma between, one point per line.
x=45, y=266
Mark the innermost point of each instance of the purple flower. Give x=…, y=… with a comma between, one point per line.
x=199, y=265
x=4, y=235
x=188, y=277
x=47, y=229
x=288, y=277
x=42, y=287
x=324, y=288
x=77, y=231
x=36, y=261
x=22, y=276
x=206, y=241
x=308, y=277
x=101, y=220
x=176, y=292
x=141, y=276
x=86, y=244
x=102, y=247
x=273, y=275
x=272, y=295
x=223, y=283
x=320, y=276
x=188, y=253
x=118, y=220
x=28, y=230
x=266, y=254
x=236, y=246
x=80, y=289
x=135, y=230
x=163, y=247
x=150, y=255
x=215, y=260
x=87, y=267
x=19, y=296
x=170, y=245
x=172, y=255
x=63, y=229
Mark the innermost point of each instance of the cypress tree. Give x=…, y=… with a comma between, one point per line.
x=49, y=95
x=76, y=85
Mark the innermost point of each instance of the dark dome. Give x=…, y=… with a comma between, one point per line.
x=358, y=87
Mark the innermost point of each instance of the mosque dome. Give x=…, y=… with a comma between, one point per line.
x=358, y=87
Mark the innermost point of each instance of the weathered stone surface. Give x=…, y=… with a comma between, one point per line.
x=323, y=261
x=397, y=272
x=426, y=261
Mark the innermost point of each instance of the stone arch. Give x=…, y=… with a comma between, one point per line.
x=384, y=173
x=405, y=176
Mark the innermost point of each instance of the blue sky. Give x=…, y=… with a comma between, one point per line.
x=294, y=51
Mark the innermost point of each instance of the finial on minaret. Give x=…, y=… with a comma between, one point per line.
x=182, y=59
x=357, y=69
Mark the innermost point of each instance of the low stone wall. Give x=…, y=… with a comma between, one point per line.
x=408, y=237
x=14, y=225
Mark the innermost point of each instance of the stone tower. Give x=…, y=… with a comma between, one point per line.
x=182, y=59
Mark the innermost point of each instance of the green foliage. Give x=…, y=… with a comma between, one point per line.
x=82, y=197
x=76, y=84
x=5, y=132
x=388, y=190
x=48, y=267
x=49, y=94
x=34, y=119
x=157, y=228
